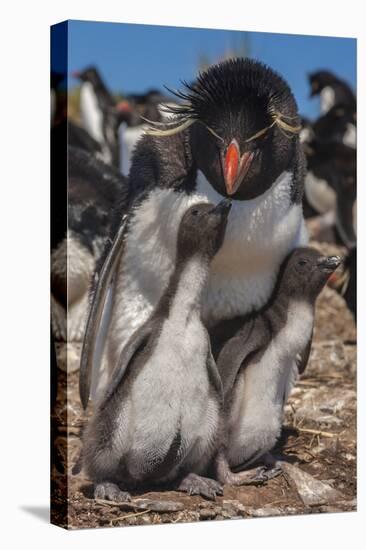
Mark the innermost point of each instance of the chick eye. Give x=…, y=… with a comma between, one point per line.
x=195, y=212
x=302, y=262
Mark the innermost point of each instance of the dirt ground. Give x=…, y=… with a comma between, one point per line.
x=318, y=442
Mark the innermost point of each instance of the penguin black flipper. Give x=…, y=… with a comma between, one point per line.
x=136, y=345
x=214, y=375
x=303, y=358
x=96, y=312
x=236, y=350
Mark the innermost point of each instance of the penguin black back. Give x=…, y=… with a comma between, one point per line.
x=319, y=80
x=334, y=124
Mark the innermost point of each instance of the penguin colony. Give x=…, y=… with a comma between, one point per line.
x=330, y=184
x=87, y=175
x=201, y=308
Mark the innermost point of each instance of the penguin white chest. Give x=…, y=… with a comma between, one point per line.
x=91, y=114
x=259, y=234
x=327, y=99
x=350, y=136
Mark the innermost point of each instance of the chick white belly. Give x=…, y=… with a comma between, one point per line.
x=259, y=235
x=170, y=395
x=263, y=387
x=255, y=418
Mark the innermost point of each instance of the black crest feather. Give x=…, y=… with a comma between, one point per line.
x=233, y=83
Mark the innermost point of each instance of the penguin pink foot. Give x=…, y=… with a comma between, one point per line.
x=110, y=491
x=193, y=484
x=253, y=476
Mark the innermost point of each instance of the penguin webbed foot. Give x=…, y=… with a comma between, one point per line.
x=194, y=484
x=110, y=491
x=264, y=474
x=253, y=476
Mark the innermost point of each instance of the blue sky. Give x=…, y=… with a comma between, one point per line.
x=133, y=58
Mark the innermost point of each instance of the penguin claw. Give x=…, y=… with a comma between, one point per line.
x=271, y=473
x=194, y=484
x=264, y=474
x=110, y=491
x=259, y=477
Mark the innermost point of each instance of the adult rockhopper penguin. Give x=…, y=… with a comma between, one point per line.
x=98, y=113
x=235, y=135
x=332, y=90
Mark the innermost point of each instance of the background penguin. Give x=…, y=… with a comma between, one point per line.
x=98, y=113
x=235, y=136
x=259, y=363
x=134, y=112
x=93, y=189
x=337, y=125
x=332, y=91
x=330, y=186
x=330, y=183
x=130, y=131
x=78, y=137
x=63, y=130
x=159, y=419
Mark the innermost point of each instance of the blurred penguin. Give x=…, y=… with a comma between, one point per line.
x=93, y=191
x=98, y=114
x=134, y=112
x=331, y=90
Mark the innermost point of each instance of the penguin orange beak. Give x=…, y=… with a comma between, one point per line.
x=124, y=107
x=235, y=167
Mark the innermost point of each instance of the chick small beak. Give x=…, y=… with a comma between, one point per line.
x=124, y=107
x=235, y=167
x=223, y=207
x=329, y=263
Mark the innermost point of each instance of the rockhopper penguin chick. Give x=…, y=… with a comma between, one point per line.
x=159, y=419
x=259, y=364
x=235, y=135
